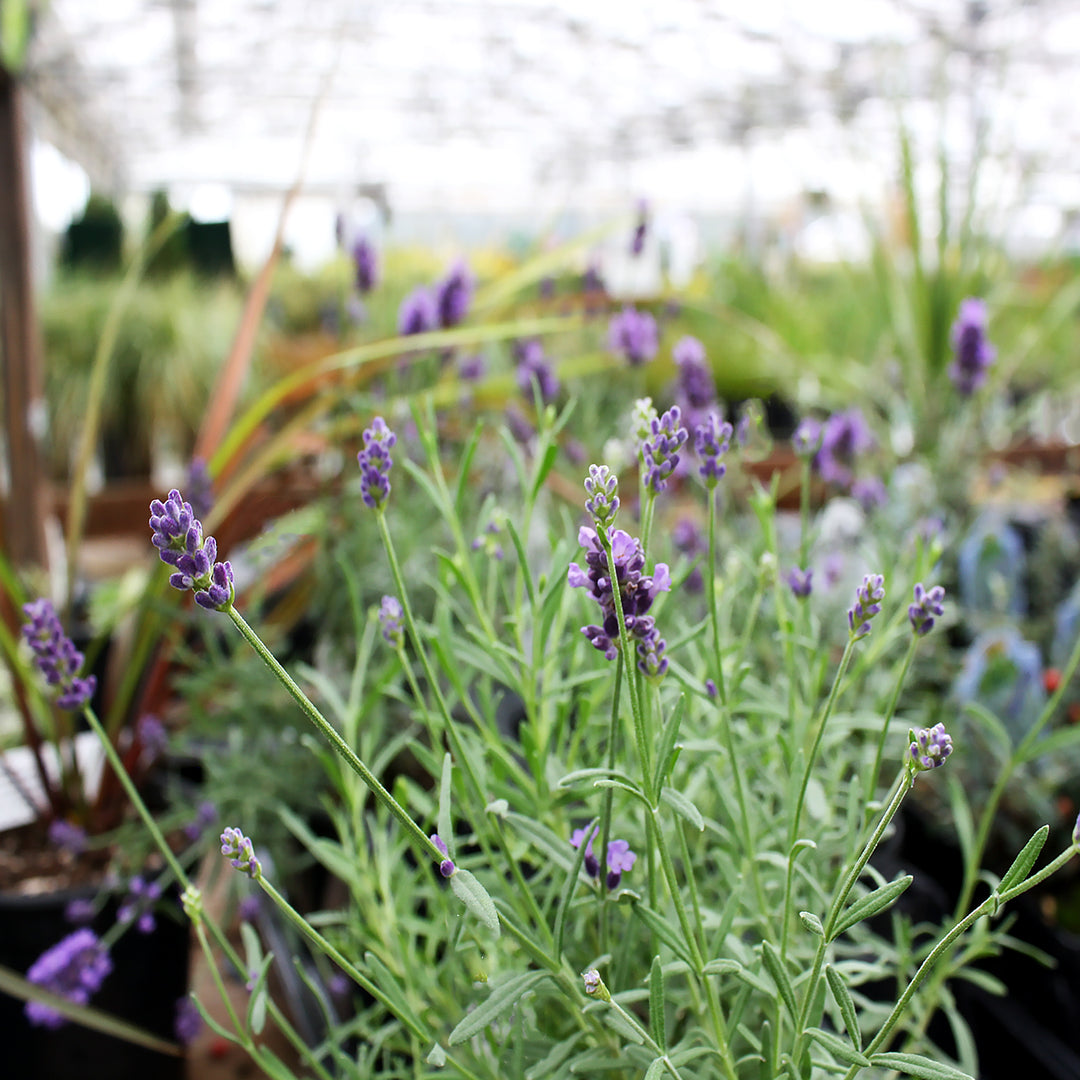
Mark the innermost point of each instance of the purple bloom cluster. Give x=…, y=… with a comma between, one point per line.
x=471, y=368
x=487, y=543
x=633, y=335
x=390, y=619
x=844, y=436
x=366, y=262
x=870, y=493
x=637, y=591
x=620, y=859
x=152, y=737
x=67, y=837
x=534, y=364
x=453, y=295
x=74, y=968
x=200, y=488
x=375, y=462
x=690, y=541
x=188, y=1021
x=799, y=581
x=711, y=441
x=178, y=536
x=55, y=655
x=807, y=438
x=237, y=847
x=446, y=867
x=602, y=487
x=205, y=816
x=696, y=388
x=929, y=748
x=868, y=597
x=660, y=450
x=138, y=904
x=973, y=354
x=418, y=313
x=929, y=603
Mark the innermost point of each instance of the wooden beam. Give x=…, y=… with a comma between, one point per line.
x=20, y=340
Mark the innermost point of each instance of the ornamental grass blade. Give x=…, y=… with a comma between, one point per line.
x=871, y=904
x=501, y=998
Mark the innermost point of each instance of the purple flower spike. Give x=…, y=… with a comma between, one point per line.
x=633, y=335
x=237, y=847
x=418, y=312
x=870, y=493
x=696, y=388
x=366, y=261
x=200, y=487
x=446, y=867
x=652, y=663
x=807, y=438
x=74, y=968
x=710, y=689
x=178, y=536
x=620, y=860
x=67, y=837
x=929, y=603
x=868, y=597
x=188, y=1021
x=711, y=441
x=453, y=295
x=390, y=619
x=577, y=838
x=55, y=655
x=534, y=364
x=205, y=816
x=800, y=582
x=660, y=449
x=843, y=438
x=641, y=229
x=602, y=487
x=375, y=462
x=973, y=354
x=929, y=748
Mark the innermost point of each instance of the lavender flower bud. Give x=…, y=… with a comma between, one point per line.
x=929, y=748
x=74, y=968
x=633, y=335
x=799, y=581
x=620, y=860
x=390, y=619
x=711, y=441
x=200, y=488
x=807, y=438
x=178, y=536
x=418, y=313
x=67, y=837
x=591, y=862
x=870, y=493
x=533, y=364
x=594, y=985
x=375, y=463
x=928, y=604
x=366, y=262
x=602, y=487
x=973, y=354
x=868, y=597
x=696, y=387
x=237, y=847
x=710, y=689
x=187, y=1022
x=844, y=437
x=660, y=450
x=641, y=229
x=651, y=660
x=446, y=867
x=55, y=655
x=453, y=295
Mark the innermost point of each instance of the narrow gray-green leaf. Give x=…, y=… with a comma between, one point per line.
x=567, y=891
x=655, y=1069
x=775, y=967
x=839, y=1048
x=683, y=807
x=664, y=930
x=256, y=1010
x=501, y=998
x=871, y=904
x=842, y=996
x=916, y=1065
x=664, y=752
x=474, y=896
x=656, y=1004
x=1023, y=862
x=446, y=828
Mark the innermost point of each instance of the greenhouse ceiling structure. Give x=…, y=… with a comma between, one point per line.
x=506, y=103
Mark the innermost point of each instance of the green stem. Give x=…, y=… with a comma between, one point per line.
x=609, y=798
x=909, y=656
x=804, y=514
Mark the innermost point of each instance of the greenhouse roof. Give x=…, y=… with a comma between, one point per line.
x=493, y=103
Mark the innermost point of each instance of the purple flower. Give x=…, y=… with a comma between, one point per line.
x=533, y=364
x=660, y=450
x=205, y=816
x=602, y=487
x=55, y=655
x=711, y=441
x=928, y=604
x=620, y=860
x=453, y=295
x=188, y=1021
x=152, y=737
x=471, y=368
x=868, y=597
x=375, y=462
x=807, y=438
x=200, y=488
x=1076, y=832
x=237, y=847
x=390, y=619
x=633, y=334
x=710, y=689
x=641, y=229
x=178, y=536
x=366, y=262
x=79, y=911
x=843, y=437
x=592, y=981
x=248, y=908
x=418, y=312
x=652, y=663
x=637, y=590
x=929, y=748
x=696, y=389
x=973, y=354
x=67, y=837
x=870, y=493
x=592, y=281
x=688, y=539
x=446, y=867
x=800, y=581
x=577, y=838
x=137, y=906
x=74, y=968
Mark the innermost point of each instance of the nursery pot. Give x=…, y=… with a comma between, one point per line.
x=149, y=976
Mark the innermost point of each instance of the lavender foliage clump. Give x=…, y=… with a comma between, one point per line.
x=800, y=581
x=390, y=619
x=660, y=451
x=868, y=597
x=929, y=604
x=929, y=748
x=637, y=590
x=711, y=441
x=366, y=264
x=632, y=334
x=446, y=867
x=973, y=355
x=533, y=364
x=602, y=487
x=178, y=536
x=238, y=848
x=418, y=312
x=453, y=295
x=375, y=463
x=74, y=968
x=844, y=437
x=55, y=655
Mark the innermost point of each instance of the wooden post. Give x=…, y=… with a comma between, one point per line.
x=20, y=341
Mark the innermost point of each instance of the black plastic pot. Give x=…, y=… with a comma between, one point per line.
x=149, y=976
